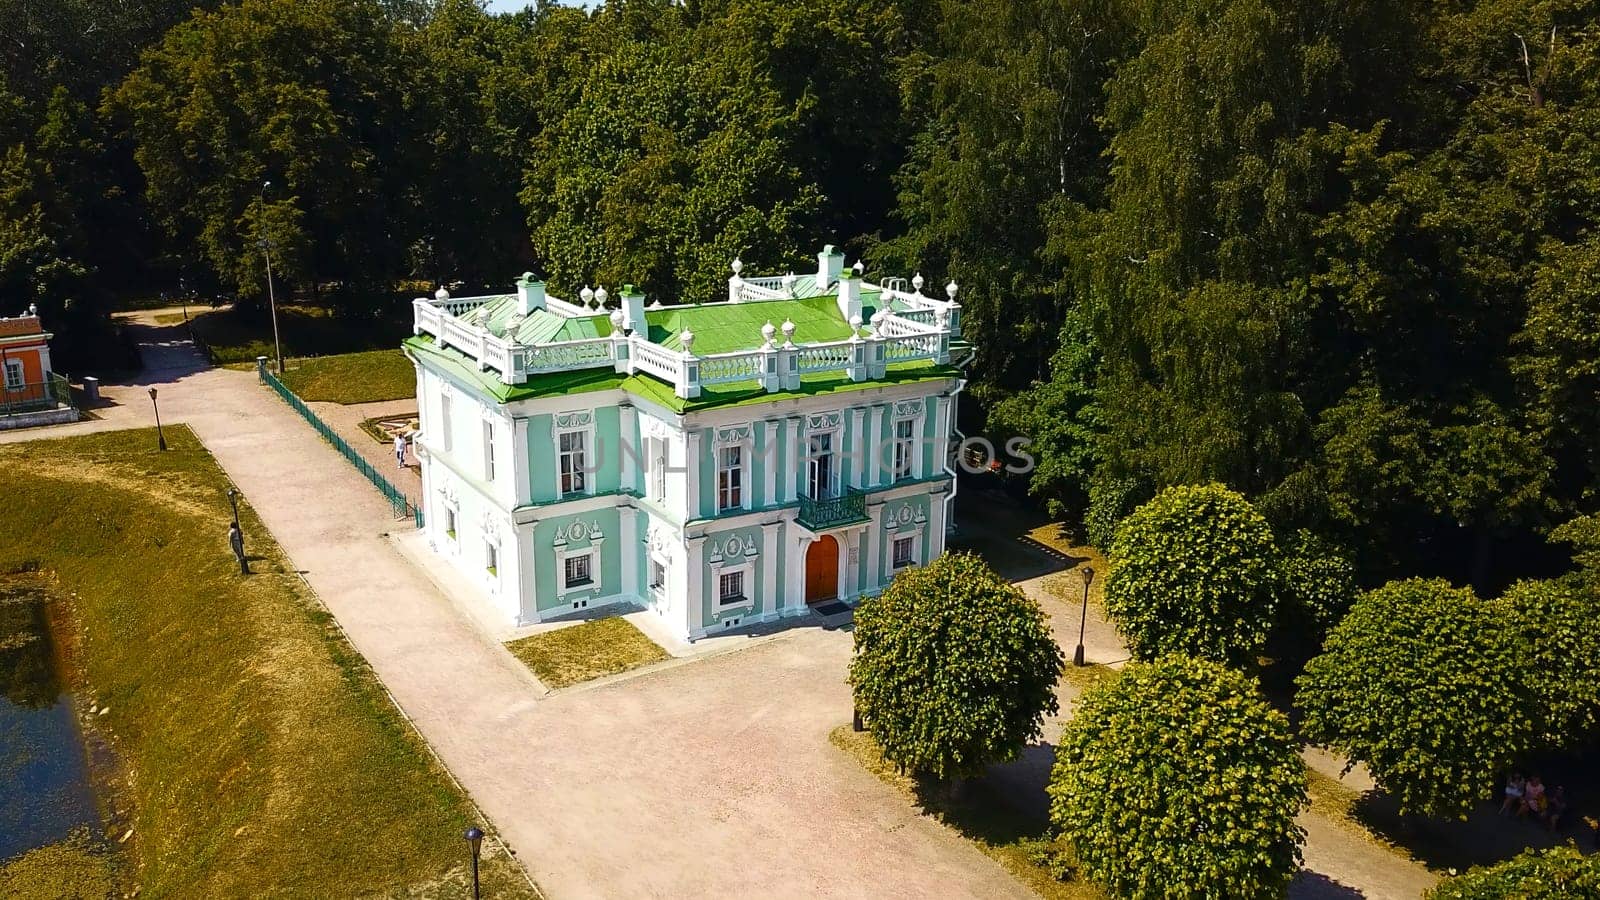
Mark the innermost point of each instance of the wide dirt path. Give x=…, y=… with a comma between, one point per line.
x=713, y=778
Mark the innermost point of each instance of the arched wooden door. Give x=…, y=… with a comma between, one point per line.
x=822, y=569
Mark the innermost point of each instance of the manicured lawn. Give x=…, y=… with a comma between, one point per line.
x=1019, y=842
x=353, y=377
x=306, y=330
x=587, y=650
x=261, y=755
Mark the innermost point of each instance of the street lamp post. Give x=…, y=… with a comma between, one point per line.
x=272, y=301
x=161, y=437
x=1083, y=622
x=233, y=501
x=474, y=836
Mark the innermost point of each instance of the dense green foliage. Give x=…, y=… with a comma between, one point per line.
x=954, y=668
x=1428, y=686
x=1178, y=772
x=1557, y=627
x=1560, y=873
x=1194, y=571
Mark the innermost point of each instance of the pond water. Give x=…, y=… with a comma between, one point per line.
x=45, y=790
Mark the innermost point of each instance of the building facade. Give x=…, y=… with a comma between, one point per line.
x=31, y=393
x=721, y=464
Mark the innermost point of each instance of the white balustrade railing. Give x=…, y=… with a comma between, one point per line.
x=727, y=368
x=824, y=357
x=915, y=333
x=655, y=359
x=911, y=347
x=752, y=289
x=589, y=353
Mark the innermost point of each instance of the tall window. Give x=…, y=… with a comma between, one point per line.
x=450, y=522
x=488, y=451
x=13, y=374
x=904, y=551
x=658, y=575
x=579, y=570
x=730, y=477
x=491, y=557
x=572, y=462
x=444, y=420
x=904, y=447
x=819, y=466
x=658, y=469
x=730, y=588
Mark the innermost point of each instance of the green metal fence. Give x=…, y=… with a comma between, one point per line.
x=32, y=396
x=401, y=504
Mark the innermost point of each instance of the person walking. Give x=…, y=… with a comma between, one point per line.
x=236, y=541
x=400, y=448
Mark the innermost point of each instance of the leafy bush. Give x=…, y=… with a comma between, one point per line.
x=1193, y=572
x=1110, y=501
x=1318, y=586
x=1557, y=624
x=1560, y=873
x=1425, y=684
x=954, y=668
x=1178, y=773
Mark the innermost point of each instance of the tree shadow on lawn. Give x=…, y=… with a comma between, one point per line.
x=996, y=527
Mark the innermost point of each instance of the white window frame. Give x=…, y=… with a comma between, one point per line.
x=742, y=471
x=491, y=556
x=16, y=375
x=904, y=469
x=586, y=471
x=595, y=574
x=488, y=450
x=809, y=443
x=452, y=522
x=446, y=440
x=895, y=542
x=746, y=571
x=918, y=542
x=656, y=588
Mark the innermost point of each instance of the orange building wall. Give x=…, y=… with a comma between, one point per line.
x=32, y=362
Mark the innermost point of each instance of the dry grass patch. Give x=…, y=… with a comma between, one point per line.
x=584, y=651
x=263, y=757
x=1019, y=843
x=353, y=377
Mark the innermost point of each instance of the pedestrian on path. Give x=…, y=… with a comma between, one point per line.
x=400, y=448
x=236, y=541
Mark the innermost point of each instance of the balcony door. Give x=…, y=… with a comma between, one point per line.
x=821, y=469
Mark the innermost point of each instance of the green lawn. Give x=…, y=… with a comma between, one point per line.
x=306, y=330
x=261, y=754
x=1020, y=843
x=587, y=650
x=353, y=377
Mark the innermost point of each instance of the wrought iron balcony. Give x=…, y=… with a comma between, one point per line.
x=848, y=508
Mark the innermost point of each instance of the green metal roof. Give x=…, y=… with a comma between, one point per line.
x=583, y=381
x=501, y=318
x=732, y=327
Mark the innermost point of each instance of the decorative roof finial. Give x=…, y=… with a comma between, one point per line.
x=686, y=338
x=950, y=290
x=767, y=331
x=859, y=268
x=616, y=320
x=586, y=295
x=441, y=294
x=600, y=297
x=788, y=334
x=917, y=282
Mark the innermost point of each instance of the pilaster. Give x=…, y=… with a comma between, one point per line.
x=771, y=601
x=874, y=538
x=874, y=473
x=521, y=462
x=771, y=463
x=859, y=459
x=694, y=583
x=795, y=457
x=691, y=473
x=628, y=518
x=628, y=446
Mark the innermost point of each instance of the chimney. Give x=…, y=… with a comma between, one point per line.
x=850, y=296
x=633, y=311
x=830, y=263
x=530, y=294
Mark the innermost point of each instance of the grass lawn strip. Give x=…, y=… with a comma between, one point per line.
x=353, y=377
x=262, y=755
x=567, y=656
x=1020, y=844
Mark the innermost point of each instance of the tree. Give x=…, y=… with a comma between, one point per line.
x=1318, y=587
x=1426, y=685
x=1559, y=873
x=1179, y=774
x=1193, y=571
x=307, y=95
x=1557, y=625
x=954, y=668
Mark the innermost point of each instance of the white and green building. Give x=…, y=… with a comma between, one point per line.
x=721, y=464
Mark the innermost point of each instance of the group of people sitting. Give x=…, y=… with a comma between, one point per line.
x=1529, y=797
